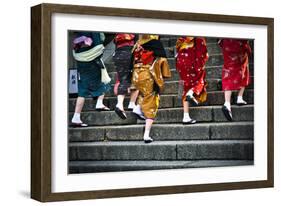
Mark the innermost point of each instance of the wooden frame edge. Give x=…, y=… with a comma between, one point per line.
x=36, y=154
x=270, y=110
x=40, y=103
x=156, y=14
x=101, y=194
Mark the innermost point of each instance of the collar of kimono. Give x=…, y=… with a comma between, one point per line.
x=146, y=38
x=119, y=37
x=186, y=43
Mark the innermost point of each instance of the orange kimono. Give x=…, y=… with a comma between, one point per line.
x=150, y=69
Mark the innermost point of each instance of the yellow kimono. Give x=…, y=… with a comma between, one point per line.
x=149, y=80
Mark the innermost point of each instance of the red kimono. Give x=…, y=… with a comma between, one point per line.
x=235, y=71
x=192, y=56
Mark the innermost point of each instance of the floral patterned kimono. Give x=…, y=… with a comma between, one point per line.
x=192, y=56
x=235, y=71
x=150, y=69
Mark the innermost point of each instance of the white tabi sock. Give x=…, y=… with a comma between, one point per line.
x=131, y=105
x=76, y=118
x=99, y=104
x=241, y=100
x=186, y=117
x=146, y=136
x=227, y=104
x=137, y=109
x=119, y=102
x=120, y=106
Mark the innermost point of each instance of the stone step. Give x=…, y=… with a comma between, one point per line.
x=213, y=48
x=170, y=115
x=76, y=167
x=163, y=132
x=163, y=150
x=212, y=72
x=166, y=101
x=205, y=114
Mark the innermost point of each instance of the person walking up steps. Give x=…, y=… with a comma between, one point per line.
x=191, y=58
x=123, y=60
x=150, y=69
x=87, y=51
x=235, y=71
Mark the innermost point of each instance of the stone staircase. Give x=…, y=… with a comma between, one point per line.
x=112, y=144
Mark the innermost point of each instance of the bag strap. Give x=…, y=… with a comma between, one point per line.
x=102, y=63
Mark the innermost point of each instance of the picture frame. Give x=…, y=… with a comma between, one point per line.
x=41, y=102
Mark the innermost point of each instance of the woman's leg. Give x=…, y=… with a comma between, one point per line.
x=227, y=99
x=133, y=99
x=119, y=108
x=148, y=125
x=120, y=100
x=241, y=91
x=100, y=105
x=79, y=104
x=240, y=100
x=186, y=117
x=227, y=106
x=185, y=106
x=76, y=119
